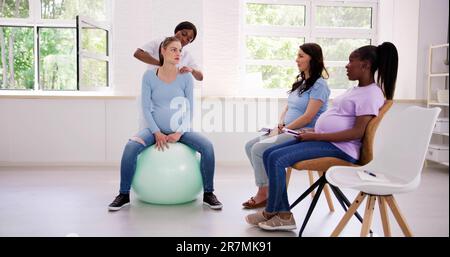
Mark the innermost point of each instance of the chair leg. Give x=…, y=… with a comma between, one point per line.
x=384, y=216
x=288, y=176
x=306, y=193
x=313, y=204
x=368, y=215
x=339, y=198
x=398, y=216
x=328, y=196
x=351, y=210
x=344, y=199
x=311, y=181
x=327, y=192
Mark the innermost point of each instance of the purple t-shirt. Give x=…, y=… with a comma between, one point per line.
x=357, y=101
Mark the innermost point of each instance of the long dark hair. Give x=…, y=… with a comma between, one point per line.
x=383, y=58
x=316, y=68
x=164, y=44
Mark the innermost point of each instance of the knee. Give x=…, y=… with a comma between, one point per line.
x=266, y=154
x=275, y=159
x=133, y=147
x=258, y=149
x=249, y=146
x=138, y=140
x=209, y=147
x=205, y=147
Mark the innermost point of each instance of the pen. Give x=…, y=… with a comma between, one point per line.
x=370, y=173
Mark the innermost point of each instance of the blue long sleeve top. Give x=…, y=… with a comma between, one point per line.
x=167, y=107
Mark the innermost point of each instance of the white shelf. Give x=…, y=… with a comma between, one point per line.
x=439, y=46
x=437, y=151
x=443, y=163
x=438, y=104
x=442, y=134
x=439, y=75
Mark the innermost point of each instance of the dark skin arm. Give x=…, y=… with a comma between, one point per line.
x=145, y=57
x=357, y=132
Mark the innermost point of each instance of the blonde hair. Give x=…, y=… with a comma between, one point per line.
x=164, y=45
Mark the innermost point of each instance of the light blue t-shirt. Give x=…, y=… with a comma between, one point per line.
x=167, y=106
x=297, y=104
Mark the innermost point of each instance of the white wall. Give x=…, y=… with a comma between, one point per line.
x=221, y=47
x=399, y=24
x=131, y=29
x=433, y=30
x=65, y=130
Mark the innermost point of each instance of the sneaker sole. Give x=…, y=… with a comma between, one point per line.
x=214, y=207
x=117, y=208
x=283, y=228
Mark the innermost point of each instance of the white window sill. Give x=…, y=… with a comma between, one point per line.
x=17, y=94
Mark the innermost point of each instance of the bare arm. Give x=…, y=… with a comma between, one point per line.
x=198, y=75
x=311, y=110
x=145, y=57
x=357, y=132
x=282, y=116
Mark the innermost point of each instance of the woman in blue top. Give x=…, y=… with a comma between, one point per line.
x=161, y=89
x=306, y=101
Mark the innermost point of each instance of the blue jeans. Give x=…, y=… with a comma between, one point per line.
x=279, y=157
x=194, y=140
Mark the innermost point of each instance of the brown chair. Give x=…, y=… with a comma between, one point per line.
x=321, y=165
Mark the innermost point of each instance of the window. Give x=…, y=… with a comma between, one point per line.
x=93, y=52
x=273, y=31
x=39, y=43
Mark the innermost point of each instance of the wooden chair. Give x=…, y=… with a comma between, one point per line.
x=321, y=165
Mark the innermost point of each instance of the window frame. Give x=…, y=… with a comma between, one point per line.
x=87, y=54
x=310, y=32
x=36, y=21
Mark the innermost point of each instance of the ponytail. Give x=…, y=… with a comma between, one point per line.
x=383, y=58
x=387, y=68
x=161, y=57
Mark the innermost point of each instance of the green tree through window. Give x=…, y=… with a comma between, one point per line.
x=275, y=31
x=56, y=45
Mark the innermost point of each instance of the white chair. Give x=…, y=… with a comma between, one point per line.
x=399, y=153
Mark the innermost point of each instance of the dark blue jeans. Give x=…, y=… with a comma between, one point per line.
x=278, y=158
x=192, y=139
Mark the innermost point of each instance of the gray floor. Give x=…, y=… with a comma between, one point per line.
x=72, y=202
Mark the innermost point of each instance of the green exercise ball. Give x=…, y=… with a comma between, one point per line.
x=171, y=176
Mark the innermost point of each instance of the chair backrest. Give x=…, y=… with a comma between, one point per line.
x=366, y=154
x=402, y=141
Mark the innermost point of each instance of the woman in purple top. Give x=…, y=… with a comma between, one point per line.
x=337, y=133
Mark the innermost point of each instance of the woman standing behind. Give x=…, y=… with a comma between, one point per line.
x=306, y=101
x=160, y=87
